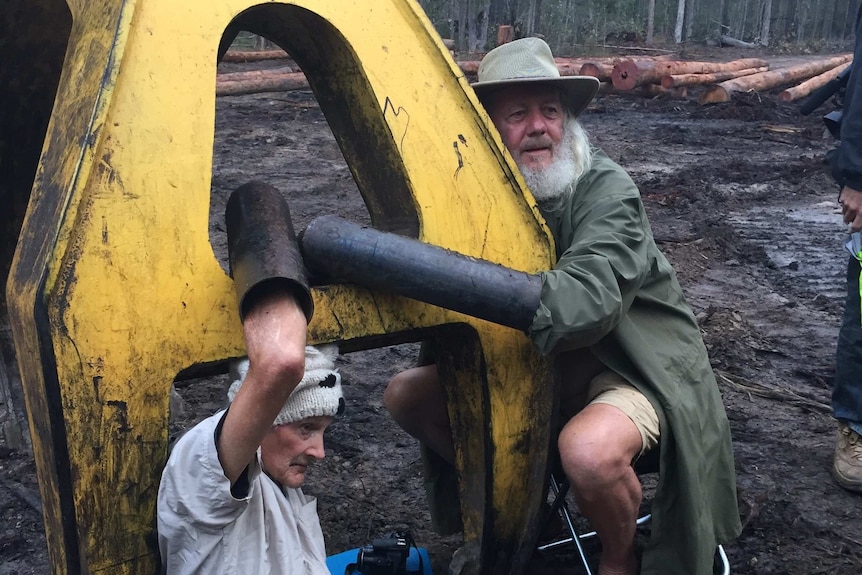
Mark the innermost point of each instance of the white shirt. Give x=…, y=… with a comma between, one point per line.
x=204, y=529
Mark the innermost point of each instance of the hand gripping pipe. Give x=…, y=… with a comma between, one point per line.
x=338, y=251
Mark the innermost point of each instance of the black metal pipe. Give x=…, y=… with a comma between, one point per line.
x=262, y=247
x=340, y=251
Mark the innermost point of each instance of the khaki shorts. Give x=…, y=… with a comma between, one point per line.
x=610, y=388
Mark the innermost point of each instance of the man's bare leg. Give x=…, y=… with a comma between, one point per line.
x=417, y=403
x=597, y=447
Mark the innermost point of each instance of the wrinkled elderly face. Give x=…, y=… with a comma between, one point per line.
x=287, y=450
x=530, y=120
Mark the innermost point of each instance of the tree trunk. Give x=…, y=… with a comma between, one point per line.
x=829, y=20
x=680, y=18
x=478, y=25
x=740, y=29
x=650, y=26
x=802, y=24
x=10, y=429
x=499, y=13
x=764, y=28
x=767, y=80
x=456, y=9
x=537, y=16
x=678, y=80
x=529, y=17
x=723, y=18
x=811, y=84
x=689, y=18
x=849, y=19
x=630, y=73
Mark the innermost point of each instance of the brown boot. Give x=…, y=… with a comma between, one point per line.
x=847, y=468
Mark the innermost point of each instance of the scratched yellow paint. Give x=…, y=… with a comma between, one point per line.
x=115, y=287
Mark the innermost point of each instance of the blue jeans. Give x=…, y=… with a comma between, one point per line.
x=847, y=388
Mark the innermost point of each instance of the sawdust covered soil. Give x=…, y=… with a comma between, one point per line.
x=740, y=202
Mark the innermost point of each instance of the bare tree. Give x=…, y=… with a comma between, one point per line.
x=680, y=19
x=690, y=15
x=849, y=19
x=468, y=24
x=534, y=16
x=802, y=21
x=830, y=13
x=478, y=29
x=764, y=28
x=650, y=25
x=723, y=18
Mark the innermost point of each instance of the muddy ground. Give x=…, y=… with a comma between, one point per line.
x=741, y=204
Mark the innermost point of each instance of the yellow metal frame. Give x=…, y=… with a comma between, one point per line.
x=115, y=288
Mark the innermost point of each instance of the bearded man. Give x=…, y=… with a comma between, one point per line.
x=632, y=368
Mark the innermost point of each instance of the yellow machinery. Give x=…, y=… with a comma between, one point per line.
x=114, y=287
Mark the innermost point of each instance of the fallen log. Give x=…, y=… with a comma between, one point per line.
x=603, y=68
x=254, y=55
x=678, y=80
x=566, y=66
x=610, y=59
x=469, y=67
x=736, y=43
x=808, y=86
x=723, y=91
x=647, y=91
x=598, y=70
x=658, y=91
x=252, y=74
x=279, y=82
x=283, y=79
x=664, y=51
x=629, y=74
x=569, y=66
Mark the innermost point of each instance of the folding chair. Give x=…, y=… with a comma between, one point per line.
x=559, y=489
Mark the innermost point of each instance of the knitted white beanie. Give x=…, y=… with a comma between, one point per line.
x=319, y=392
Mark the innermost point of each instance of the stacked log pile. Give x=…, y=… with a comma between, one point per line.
x=649, y=76
x=770, y=79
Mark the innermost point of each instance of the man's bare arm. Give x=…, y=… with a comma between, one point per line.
x=275, y=336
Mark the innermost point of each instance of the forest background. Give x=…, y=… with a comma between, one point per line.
x=581, y=26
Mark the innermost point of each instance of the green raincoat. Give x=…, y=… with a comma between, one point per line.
x=613, y=292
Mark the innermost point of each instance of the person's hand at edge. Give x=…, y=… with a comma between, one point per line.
x=851, y=207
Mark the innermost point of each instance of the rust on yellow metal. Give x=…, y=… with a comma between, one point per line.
x=115, y=288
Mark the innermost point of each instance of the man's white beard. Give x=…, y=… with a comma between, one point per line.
x=572, y=158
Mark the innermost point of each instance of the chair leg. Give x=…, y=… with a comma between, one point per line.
x=721, y=557
x=560, y=490
x=560, y=505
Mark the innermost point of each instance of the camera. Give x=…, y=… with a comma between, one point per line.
x=384, y=556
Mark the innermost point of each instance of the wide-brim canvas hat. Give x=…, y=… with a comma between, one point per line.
x=529, y=60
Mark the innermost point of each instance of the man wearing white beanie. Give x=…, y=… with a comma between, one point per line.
x=259, y=521
x=230, y=500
